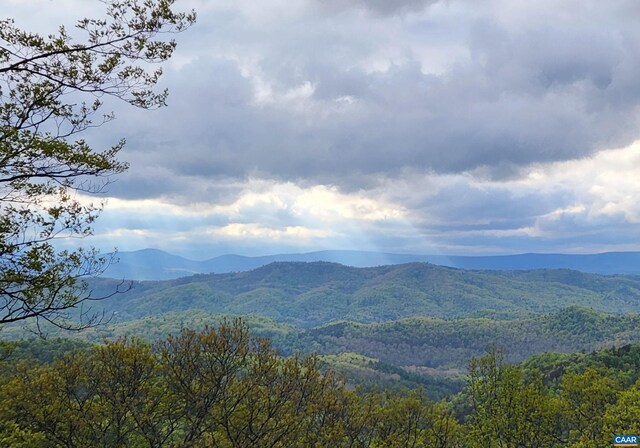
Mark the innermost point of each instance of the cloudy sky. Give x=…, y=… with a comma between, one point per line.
x=408, y=126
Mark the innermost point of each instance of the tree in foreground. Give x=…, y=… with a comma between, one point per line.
x=52, y=90
x=220, y=387
x=508, y=411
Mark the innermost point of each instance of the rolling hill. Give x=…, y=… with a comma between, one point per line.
x=312, y=294
x=419, y=344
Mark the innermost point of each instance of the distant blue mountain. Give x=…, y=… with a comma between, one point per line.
x=153, y=264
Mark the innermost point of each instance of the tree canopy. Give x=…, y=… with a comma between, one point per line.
x=224, y=387
x=52, y=90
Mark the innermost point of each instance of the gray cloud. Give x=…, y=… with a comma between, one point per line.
x=365, y=101
x=385, y=7
x=543, y=93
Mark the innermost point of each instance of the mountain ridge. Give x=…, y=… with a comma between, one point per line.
x=155, y=264
x=310, y=294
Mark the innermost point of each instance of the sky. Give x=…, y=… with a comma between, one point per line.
x=406, y=126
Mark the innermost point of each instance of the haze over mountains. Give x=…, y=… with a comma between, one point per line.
x=154, y=264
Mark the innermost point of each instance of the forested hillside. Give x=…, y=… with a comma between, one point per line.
x=411, y=351
x=439, y=343
x=312, y=294
x=389, y=328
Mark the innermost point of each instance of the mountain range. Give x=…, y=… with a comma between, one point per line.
x=409, y=319
x=311, y=294
x=154, y=264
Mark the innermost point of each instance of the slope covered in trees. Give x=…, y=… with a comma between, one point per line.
x=419, y=345
x=312, y=294
x=436, y=343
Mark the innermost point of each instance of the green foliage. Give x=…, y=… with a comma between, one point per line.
x=423, y=351
x=314, y=294
x=38, y=351
x=507, y=411
x=220, y=387
x=223, y=387
x=373, y=375
x=442, y=344
x=622, y=416
x=585, y=397
x=621, y=363
x=51, y=91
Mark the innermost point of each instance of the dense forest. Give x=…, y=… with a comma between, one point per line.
x=417, y=350
x=312, y=294
x=223, y=387
x=374, y=350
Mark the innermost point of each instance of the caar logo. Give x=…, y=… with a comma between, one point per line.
x=625, y=440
